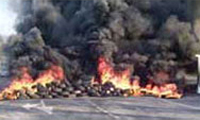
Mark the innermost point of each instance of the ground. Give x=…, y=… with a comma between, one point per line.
x=140, y=108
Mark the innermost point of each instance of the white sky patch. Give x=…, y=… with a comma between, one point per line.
x=7, y=19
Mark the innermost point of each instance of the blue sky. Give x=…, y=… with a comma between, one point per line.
x=7, y=18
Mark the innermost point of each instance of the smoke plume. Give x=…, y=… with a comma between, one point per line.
x=151, y=35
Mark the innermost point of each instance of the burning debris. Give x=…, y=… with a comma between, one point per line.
x=26, y=83
x=148, y=42
x=51, y=83
x=122, y=80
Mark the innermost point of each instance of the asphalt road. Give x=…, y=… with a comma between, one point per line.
x=141, y=108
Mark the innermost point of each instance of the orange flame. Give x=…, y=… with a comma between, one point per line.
x=54, y=73
x=106, y=73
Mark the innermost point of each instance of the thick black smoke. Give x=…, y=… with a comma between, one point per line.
x=157, y=34
x=75, y=22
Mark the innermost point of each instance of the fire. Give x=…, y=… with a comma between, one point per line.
x=108, y=74
x=26, y=82
x=122, y=80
